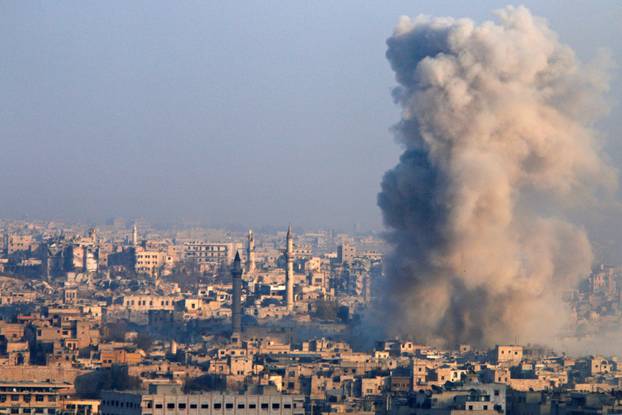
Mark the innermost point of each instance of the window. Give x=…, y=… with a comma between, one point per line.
x=229, y=405
x=217, y=406
x=38, y=410
x=264, y=406
x=26, y=410
x=182, y=406
x=170, y=406
x=240, y=406
x=39, y=398
x=51, y=411
x=149, y=404
x=496, y=392
x=287, y=406
x=15, y=410
x=193, y=406
x=485, y=407
x=252, y=406
x=15, y=398
x=276, y=406
x=204, y=406
x=158, y=406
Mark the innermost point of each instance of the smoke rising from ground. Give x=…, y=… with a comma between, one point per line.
x=497, y=129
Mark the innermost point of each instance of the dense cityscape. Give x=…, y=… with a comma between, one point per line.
x=130, y=319
x=213, y=208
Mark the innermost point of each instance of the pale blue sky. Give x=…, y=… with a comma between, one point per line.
x=253, y=112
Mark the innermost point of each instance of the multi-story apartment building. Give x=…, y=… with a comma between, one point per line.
x=209, y=253
x=168, y=399
x=31, y=398
x=149, y=262
x=147, y=302
x=19, y=243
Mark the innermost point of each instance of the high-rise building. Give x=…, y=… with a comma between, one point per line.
x=345, y=252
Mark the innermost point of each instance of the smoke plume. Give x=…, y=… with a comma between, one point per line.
x=497, y=129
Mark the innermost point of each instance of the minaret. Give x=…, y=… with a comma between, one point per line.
x=289, y=273
x=135, y=235
x=250, y=253
x=5, y=241
x=236, y=300
x=93, y=235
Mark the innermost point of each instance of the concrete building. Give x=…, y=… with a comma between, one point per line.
x=166, y=399
x=149, y=262
x=209, y=253
x=148, y=302
x=19, y=243
x=31, y=397
x=509, y=354
x=345, y=252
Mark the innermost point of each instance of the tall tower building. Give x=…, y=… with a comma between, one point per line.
x=135, y=235
x=93, y=235
x=5, y=241
x=236, y=300
x=250, y=253
x=289, y=273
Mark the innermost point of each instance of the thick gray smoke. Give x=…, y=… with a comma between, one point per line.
x=496, y=125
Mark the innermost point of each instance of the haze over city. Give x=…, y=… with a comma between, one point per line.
x=213, y=111
x=318, y=208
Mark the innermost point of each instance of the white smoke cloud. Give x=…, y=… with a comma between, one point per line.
x=497, y=128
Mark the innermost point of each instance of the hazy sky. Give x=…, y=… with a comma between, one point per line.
x=253, y=112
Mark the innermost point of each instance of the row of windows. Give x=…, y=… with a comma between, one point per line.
x=31, y=389
x=50, y=411
x=144, y=302
x=218, y=405
x=121, y=404
x=220, y=255
x=206, y=248
x=27, y=398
